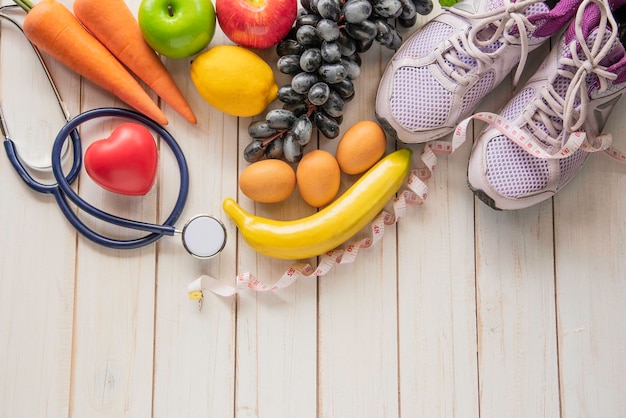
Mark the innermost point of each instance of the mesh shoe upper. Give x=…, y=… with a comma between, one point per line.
x=442, y=72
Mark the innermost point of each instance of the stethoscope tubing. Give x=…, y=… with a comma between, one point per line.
x=55, y=191
x=11, y=151
x=64, y=192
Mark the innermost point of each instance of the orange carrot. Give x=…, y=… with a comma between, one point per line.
x=53, y=28
x=113, y=24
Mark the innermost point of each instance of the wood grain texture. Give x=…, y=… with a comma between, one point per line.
x=37, y=285
x=460, y=311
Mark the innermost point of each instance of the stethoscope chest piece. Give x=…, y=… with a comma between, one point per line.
x=204, y=236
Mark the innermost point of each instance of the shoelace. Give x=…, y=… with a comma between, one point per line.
x=503, y=22
x=551, y=107
x=591, y=65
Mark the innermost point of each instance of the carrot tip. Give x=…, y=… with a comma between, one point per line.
x=160, y=119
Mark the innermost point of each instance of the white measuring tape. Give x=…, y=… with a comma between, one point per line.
x=415, y=193
x=574, y=142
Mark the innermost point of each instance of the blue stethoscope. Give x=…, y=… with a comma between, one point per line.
x=202, y=236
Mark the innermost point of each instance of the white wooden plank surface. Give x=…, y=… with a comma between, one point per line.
x=276, y=354
x=436, y=296
x=460, y=311
x=360, y=347
x=590, y=280
x=112, y=368
x=36, y=285
x=517, y=357
x=194, y=350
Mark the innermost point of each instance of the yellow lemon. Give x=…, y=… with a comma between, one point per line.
x=234, y=80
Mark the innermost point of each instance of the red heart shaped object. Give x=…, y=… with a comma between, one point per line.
x=125, y=162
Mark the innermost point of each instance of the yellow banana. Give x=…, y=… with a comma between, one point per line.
x=331, y=226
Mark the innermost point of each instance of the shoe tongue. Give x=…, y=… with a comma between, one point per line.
x=589, y=26
x=481, y=6
x=495, y=4
x=590, y=21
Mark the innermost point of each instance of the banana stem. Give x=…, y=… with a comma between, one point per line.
x=236, y=212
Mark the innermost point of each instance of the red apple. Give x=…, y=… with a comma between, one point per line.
x=256, y=23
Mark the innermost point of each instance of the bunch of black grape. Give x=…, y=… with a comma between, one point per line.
x=321, y=54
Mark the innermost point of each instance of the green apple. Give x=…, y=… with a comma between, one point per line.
x=177, y=28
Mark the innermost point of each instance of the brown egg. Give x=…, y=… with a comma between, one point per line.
x=268, y=181
x=319, y=177
x=363, y=144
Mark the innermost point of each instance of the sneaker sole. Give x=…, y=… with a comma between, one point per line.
x=483, y=197
x=479, y=193
x=391, y=132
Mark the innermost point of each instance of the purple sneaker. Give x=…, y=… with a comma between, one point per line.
x=441, y=72
x=543, y=136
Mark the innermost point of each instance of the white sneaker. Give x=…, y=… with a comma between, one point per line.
x=441, y=72
x=544, y=134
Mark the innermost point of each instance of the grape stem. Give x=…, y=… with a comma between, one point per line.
x=311, y=108
x=266, y=142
